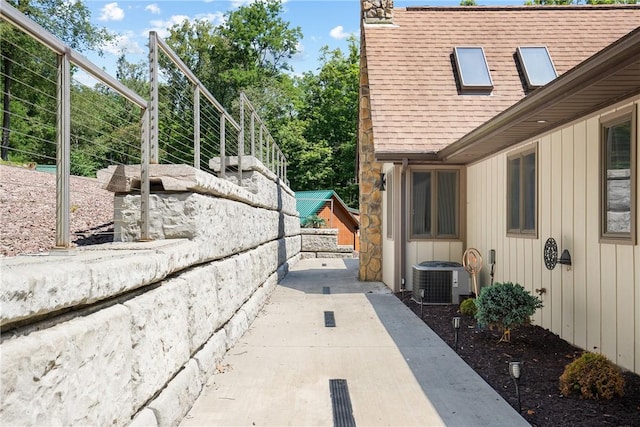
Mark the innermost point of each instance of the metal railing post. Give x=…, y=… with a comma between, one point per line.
x=196, y=127
x=223, y=160
x=241, y=139
x=145, y=186
x=253, y=134
x=261, y=148
x=63, y=151
x=153, y=98
x=273, y=156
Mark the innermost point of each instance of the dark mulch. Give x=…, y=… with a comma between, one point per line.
x=544, y=356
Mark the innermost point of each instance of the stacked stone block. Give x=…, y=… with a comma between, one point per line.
x=129, y=332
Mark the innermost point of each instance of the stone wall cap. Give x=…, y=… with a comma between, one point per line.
x=319, y=231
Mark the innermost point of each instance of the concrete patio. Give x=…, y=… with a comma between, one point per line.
x=398, y=371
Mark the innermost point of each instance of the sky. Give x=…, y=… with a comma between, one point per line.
x=323, y=23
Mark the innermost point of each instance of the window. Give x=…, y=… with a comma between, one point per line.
x=472, y=69
x=522, y=193
x=618, y=193
x=537, y=65
x=434, y=204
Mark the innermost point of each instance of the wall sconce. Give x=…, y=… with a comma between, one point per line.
x=456, y=328
x=515, y=370
x=551, y=255
x=383, y=182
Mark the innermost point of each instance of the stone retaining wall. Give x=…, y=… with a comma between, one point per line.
x=129, y=332
x=323, y=243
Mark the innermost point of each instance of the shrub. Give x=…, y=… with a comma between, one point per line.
x=468, y=307
x=314, y=221
x=504, y=306
x=593, y=376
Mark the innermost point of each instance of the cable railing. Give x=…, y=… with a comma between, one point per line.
x=70, y=117
x=258, y=142
x=49, y=126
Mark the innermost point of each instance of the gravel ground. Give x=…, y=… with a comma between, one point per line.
x=28, y=211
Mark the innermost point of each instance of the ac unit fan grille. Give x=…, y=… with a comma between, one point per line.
x=436, y=285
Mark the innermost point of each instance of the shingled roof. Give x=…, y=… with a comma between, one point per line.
x=416, y=105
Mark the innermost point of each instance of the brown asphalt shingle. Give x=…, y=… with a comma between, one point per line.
x=415, y=102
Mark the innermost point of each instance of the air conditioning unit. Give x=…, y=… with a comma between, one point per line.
x=439, y=282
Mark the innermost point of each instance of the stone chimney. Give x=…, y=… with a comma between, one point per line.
x=377, y=11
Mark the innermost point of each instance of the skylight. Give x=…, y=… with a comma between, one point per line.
x=537, y=65
x=472, y=69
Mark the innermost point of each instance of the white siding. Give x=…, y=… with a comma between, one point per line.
x=596, y=303
x=388, y=251
x=419, y=251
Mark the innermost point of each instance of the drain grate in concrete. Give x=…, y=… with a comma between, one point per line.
x=326, y=290
x=329, y=319
x=341, y=404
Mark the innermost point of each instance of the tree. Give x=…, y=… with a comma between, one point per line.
x=69, y=20
x=248, y=51
x=331, y=110
x=568, y=2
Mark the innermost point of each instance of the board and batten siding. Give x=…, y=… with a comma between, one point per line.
x=596, y=303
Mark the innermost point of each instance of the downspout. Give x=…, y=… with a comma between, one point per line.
x=403, y=223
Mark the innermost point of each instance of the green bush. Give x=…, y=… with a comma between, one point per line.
x=593, y=376
x=505, y=306
x=468, y=307
x=314, y=221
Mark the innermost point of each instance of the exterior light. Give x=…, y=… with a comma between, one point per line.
x=551, y=255
x=383, y=182
x=565, y=258
x=515, y=370
x=456, y=327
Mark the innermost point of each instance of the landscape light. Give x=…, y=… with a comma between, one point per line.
x=456, y=327
x=515, y=372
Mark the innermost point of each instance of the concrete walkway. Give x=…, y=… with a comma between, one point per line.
x=398, y=372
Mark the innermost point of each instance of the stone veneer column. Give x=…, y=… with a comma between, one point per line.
x=373, y=11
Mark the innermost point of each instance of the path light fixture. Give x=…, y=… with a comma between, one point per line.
x=456, y=328
x=515, y=370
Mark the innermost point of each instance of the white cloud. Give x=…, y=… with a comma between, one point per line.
x=162, y=27
x=237, y=3
x=339, y=33
x=153, y=8
x=123, y=43
x=111, y=12
x=216, y=18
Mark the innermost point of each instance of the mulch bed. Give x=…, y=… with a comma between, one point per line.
x=544, y=356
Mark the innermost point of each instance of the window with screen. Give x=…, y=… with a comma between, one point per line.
x=434, y=204
x=522, y=193
x=618, y=171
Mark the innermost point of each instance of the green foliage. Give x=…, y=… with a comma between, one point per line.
x=570, y=2
x=505, y=305
x=593, y=376
x=468, y=3
x=30, y=81
x=314, y=221
x=330, y=109
x=468, y=307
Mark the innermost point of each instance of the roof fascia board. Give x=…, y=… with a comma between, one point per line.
x=615, y=57
x=397, y=156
